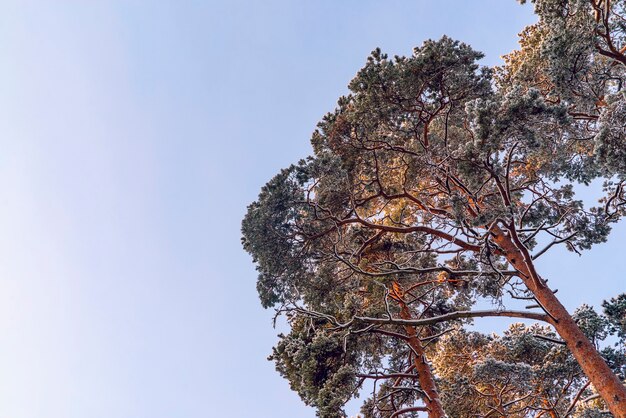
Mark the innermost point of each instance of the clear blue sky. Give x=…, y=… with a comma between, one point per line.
x=132, y=137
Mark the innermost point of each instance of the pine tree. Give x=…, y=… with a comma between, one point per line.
x=430, y=188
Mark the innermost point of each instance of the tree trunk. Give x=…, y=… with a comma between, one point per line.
x=424, y=373
x=609, y=387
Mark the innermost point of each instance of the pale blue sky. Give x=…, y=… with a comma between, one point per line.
x=133, y=135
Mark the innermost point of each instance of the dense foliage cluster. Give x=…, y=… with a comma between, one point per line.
x=434, y=184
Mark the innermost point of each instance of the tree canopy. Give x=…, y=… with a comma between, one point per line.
x=435, y=183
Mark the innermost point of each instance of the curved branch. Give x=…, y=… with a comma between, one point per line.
x=410, y=409
x=410, y=229
x=456, y=315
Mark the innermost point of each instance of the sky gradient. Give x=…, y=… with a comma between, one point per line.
x=133, y=136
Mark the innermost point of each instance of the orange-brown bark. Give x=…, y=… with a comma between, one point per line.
x=609, y=387
x=425, y=374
